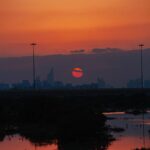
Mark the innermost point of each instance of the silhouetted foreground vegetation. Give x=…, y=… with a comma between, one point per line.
x=44, y=134
x=65, y=115
x=103, y=99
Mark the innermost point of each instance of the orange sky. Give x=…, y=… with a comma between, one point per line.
x=62, y=25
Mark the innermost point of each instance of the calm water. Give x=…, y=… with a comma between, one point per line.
x=18, y=143
x=131, y=138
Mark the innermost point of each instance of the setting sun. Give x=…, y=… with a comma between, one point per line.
x=77, y=73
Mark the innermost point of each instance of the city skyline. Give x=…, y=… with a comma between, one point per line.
x=112, y=66
x=50, y=83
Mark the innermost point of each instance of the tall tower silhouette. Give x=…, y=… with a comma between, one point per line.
x=33, y=59
x=141, y=49
x=50, y=77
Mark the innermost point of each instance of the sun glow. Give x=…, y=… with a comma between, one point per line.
x=77, y=73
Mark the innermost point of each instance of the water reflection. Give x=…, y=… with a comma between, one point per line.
x=17, y=142
x=33, y=137
x=132, y=137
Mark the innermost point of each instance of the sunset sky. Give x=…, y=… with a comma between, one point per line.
x=62, y=25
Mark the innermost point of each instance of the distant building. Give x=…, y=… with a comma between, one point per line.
x=50, y=77
x=147, y=84
x=58, y=85
x=4, y=86
x=134, y=83
x=101, y=83
x=68, y=86
x=38, y=83
x=24, y=84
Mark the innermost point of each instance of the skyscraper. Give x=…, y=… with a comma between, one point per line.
x=50, y=77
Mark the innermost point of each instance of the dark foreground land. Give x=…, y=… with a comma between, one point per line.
x=66, y=115
x=104, y=99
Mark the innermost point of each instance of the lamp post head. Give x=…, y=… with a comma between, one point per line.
x=141, y=45
x=33, y=44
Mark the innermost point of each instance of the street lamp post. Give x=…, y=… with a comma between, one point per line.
x=142, y=86
x=141, y=48
x=33, y=58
